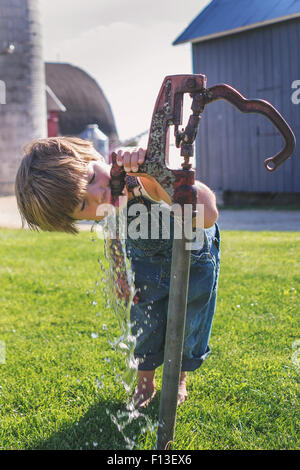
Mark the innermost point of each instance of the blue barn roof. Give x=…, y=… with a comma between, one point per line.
x=222, y=17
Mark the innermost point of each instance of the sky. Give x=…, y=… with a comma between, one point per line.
x=125, y=45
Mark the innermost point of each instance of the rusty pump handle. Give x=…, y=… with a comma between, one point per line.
x=263, y=107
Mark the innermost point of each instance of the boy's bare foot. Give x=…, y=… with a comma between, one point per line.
x=142, y=399
x=182, y=392
x=146, y=390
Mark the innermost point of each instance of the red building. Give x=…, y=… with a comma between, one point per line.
x=54, y=107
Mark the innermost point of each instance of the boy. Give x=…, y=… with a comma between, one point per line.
x=64, y=179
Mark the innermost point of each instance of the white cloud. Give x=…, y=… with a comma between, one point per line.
x=125, y=46
x=74, y=16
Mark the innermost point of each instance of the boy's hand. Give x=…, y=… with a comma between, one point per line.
x=131, y=159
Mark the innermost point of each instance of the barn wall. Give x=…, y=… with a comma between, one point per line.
x=232, y=146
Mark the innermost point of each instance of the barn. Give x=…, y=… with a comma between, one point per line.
x=83, y=101
x=254, y=47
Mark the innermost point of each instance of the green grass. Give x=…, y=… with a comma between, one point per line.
x=245, y=396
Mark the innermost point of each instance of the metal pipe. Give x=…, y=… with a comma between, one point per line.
x=180, y=271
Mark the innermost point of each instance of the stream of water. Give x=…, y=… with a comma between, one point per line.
x=119, y=303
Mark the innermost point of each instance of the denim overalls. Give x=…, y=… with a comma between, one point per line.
x=151, y=262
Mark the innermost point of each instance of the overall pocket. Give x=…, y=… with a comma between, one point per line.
x=211, y=247
x=202, y=257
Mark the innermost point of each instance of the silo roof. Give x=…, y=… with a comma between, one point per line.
x=82, y=97
x=224, y=17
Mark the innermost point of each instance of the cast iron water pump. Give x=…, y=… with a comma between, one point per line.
x=179, y=184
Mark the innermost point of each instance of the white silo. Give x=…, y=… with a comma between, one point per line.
x=23, y=115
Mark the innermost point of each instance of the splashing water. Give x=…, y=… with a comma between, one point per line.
x=118, y=282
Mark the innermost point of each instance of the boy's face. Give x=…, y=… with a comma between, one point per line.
x=98, y=191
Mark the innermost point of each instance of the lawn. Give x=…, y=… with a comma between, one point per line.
x=58, y=380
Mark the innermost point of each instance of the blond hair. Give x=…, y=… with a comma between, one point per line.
x=51, y=182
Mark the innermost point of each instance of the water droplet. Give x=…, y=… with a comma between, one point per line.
x=99, y=384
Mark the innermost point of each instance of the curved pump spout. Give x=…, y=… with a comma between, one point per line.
x=263, y=107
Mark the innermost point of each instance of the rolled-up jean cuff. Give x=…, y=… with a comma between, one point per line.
x=152, y=362
x=195, y=362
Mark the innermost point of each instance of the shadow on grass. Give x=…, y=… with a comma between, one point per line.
x=96, y=429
